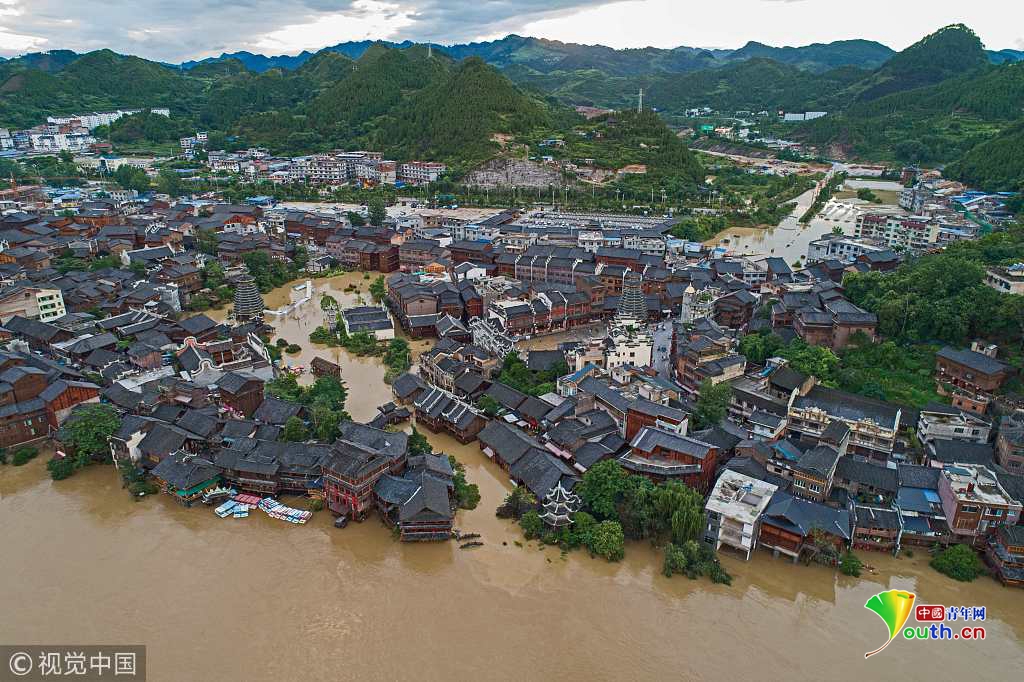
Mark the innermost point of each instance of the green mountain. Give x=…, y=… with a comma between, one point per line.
x=752, y=85
x=820, y=57
x=931, y=124
x=949, y=52
x=94, y=81
x=457, y=117
x=996, y=164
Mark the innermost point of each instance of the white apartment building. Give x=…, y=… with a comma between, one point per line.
x=96, y=119
x=948, y=422
x=734, y=511
x=421, y=172
x=841, y=248
x=914, y=233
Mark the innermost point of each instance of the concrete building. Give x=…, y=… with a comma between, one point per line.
x=1006, y=280
x=938, y=421
x=974, y=501
x=915, y=233
x=34, y=303
x=734, y=511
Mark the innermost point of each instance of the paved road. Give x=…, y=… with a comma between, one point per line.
x=662, y=360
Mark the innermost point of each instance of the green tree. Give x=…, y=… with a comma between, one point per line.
x=207, y=242
x=817, y=361
x=378, y=289
x=294, y=431
x=87, y=432
x=356, y=219
x=130, y=177
x=602, y=488
x=300, y=258
x=959, y=562
x=850, y=564
x=169, y=183
x=377, y=212
x=325, y=423
x=531, y=524
x=213, y=275
x=712, y=403
x=675, y=560
x=418, y=443
x=489, y=405
x=467, y=495
x=757, y=348
x=608, y=541
x=60, y=468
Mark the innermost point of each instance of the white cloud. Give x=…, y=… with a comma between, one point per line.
x=188, y=29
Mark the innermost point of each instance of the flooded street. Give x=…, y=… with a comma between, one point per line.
x=790, y=238
x=259, y=599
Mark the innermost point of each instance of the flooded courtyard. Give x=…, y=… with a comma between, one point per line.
x=259, y=599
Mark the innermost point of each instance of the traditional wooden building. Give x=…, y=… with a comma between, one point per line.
x=791, y=525
x=439, y=410
x=240, y=392
x=665, y=455
x=1005, y=554
x=360, y=456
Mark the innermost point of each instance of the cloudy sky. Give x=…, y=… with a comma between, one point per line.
x=191, y=29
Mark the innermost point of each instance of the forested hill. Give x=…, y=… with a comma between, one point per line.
x=965, y=102
x=411, y=103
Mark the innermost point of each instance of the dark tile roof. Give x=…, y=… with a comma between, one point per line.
x=233, y=382
x=962, y=452
x=406, y=385
x=849, y=406
x=874, y=517
x=867, y=474
x=184, y=472
x=276, y=411
x=914, y=476
x=977, y=361
x=540, y=471
x=506, y=396
x=543, y=360
x=803, y=516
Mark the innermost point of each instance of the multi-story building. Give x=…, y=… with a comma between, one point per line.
x=974, y=501
x=873, y=424
x=1009, y=280
x=971, y=369
x=734, y=511
x=34, y=303
x=937, y=421
x=1009, y=449
x=915, y=233
x=841, y=247
x=1005, y=553
x=421, y=172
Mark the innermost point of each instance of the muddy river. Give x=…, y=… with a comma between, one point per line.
x=259, y=599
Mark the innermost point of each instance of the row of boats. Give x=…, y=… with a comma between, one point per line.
x=239, y=505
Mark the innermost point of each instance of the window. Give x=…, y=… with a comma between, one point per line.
x=995, y=512
x=799, y=483
x=968, y=509
x=814, y=488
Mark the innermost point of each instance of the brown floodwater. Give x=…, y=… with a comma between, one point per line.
x=259, y=599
